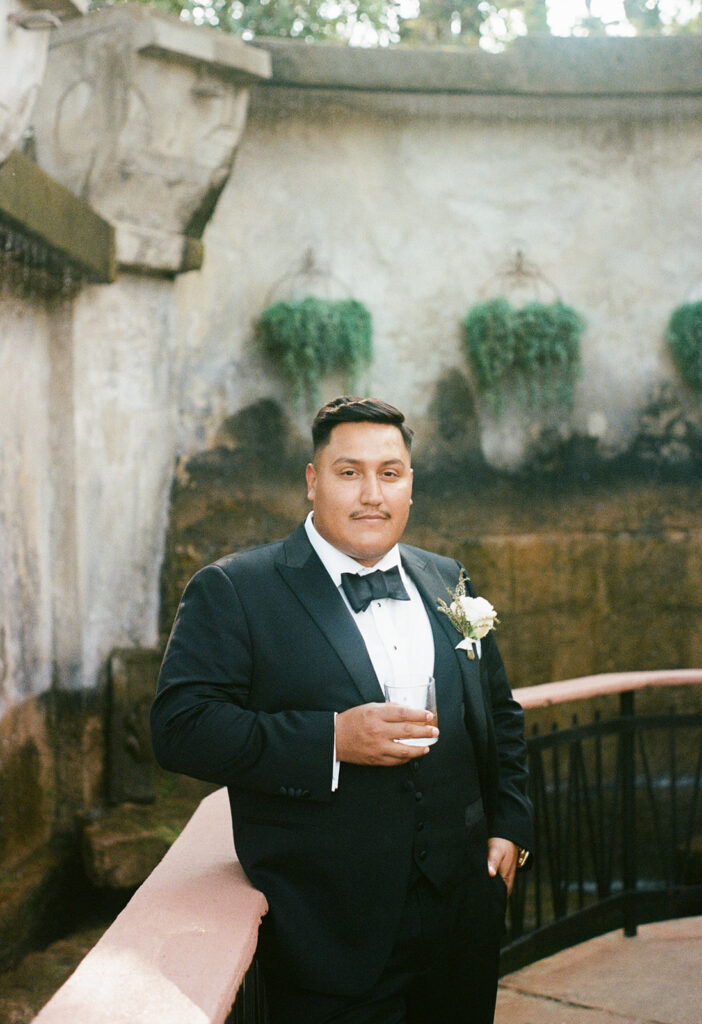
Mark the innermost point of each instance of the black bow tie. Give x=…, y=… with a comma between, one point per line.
x=361, y=590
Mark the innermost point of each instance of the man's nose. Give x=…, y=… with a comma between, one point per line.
x=370, y=491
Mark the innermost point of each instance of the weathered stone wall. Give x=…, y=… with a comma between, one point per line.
x=25, y=508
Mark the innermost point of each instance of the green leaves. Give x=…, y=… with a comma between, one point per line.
x=684, y=336
x=536, y=350
x=311, y=337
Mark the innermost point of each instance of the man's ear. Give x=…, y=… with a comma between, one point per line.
x=311, y=477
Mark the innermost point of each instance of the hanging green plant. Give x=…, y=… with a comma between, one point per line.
x=308, y=338
x=685, y=339
x=535, y=350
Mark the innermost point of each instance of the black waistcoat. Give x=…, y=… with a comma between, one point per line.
x=445, y=781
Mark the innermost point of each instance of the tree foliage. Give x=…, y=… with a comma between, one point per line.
x=491, y=23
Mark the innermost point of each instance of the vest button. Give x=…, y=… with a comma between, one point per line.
x=422, y=854
x=418, y=796
x=415, y=765
x=419, y=826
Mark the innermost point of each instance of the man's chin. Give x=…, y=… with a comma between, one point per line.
x=371, y=553
x=373, y=539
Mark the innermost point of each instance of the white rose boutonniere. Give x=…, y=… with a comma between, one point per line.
x=473, y=617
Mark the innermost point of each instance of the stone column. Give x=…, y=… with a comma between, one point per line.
x=140, y=116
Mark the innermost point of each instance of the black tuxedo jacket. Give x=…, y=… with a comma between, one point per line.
x=263, y=650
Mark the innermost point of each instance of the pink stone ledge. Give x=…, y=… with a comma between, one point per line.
x=179, y=950
x=597, y=686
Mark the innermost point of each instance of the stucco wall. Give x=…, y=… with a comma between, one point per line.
x=26, y=633
x=416, y=201
x=125, y=369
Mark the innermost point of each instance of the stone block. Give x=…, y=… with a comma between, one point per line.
x=121, y=848
x=540, y=648
x=133, y=674
x=119, y=861
x=693, y=578
x=694, y=652
x=149, y=250
x=555, y=571
x=489, y=563
x=30, y=898
x=27, y=797
x=647, y=570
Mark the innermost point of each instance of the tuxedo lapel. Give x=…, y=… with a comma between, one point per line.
x=432, y=586
x=311, y=584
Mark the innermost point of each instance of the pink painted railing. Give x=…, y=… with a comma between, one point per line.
x=178, y=952
x=586, y=687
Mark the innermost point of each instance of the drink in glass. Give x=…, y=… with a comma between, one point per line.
x=418, y=692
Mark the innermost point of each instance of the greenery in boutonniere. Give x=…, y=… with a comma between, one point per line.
x=685, y=339
x=308, y=338
x=536, y=349
x=473, y=617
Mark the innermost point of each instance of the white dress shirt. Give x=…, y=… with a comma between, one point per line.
x=397, y=634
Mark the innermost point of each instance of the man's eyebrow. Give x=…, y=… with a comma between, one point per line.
x=349, y=460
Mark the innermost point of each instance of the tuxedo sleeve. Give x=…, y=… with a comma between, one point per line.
x=511, y=814
x=511, y=817
x=201, y=724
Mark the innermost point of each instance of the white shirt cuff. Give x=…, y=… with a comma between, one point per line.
x=337, y=764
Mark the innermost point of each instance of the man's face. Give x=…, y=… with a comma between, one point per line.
x=361, y=485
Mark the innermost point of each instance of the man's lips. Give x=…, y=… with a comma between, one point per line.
x=372, y=517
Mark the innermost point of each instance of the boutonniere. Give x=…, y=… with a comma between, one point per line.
x=473, y=617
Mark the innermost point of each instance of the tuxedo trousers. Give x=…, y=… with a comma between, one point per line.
x=443, y=967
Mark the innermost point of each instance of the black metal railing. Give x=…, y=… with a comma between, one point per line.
x=250, y=1004
x=618, y=830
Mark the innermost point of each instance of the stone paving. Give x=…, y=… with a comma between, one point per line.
x=654, y=978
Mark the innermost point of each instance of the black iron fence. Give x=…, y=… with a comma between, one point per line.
x=618, y=830
x=250, y=1004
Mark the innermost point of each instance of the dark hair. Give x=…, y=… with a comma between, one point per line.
x=350, y=409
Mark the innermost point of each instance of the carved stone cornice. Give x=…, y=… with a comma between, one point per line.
x=24, y=42
x=141, y=116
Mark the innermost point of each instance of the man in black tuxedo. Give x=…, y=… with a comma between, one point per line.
x=386, y=866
